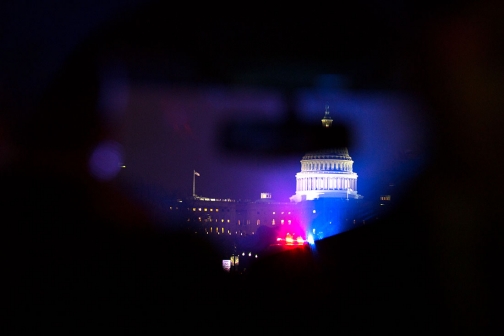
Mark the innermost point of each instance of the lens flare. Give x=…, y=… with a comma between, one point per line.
x=106, y=160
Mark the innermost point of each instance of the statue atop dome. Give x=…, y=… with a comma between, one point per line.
x=327, y=120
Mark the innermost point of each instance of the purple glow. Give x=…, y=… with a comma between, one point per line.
x=169, y=132
x=106, y=160
x=114, y=95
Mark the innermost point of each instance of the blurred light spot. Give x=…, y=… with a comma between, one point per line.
x=106, y=160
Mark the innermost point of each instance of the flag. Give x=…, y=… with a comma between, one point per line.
x=197, y=174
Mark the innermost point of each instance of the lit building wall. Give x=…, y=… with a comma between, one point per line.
x=238, y=218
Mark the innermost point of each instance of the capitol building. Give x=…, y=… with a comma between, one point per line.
x=326, y=173
x=324, y=203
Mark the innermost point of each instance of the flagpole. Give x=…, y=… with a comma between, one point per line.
x=194, y=183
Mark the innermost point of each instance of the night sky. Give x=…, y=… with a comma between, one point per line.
x=167, y=130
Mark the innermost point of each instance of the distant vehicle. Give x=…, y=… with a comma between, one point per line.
x=291, y=240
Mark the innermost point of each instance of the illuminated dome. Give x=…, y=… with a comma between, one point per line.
x=338, y=154
x=326, y=173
